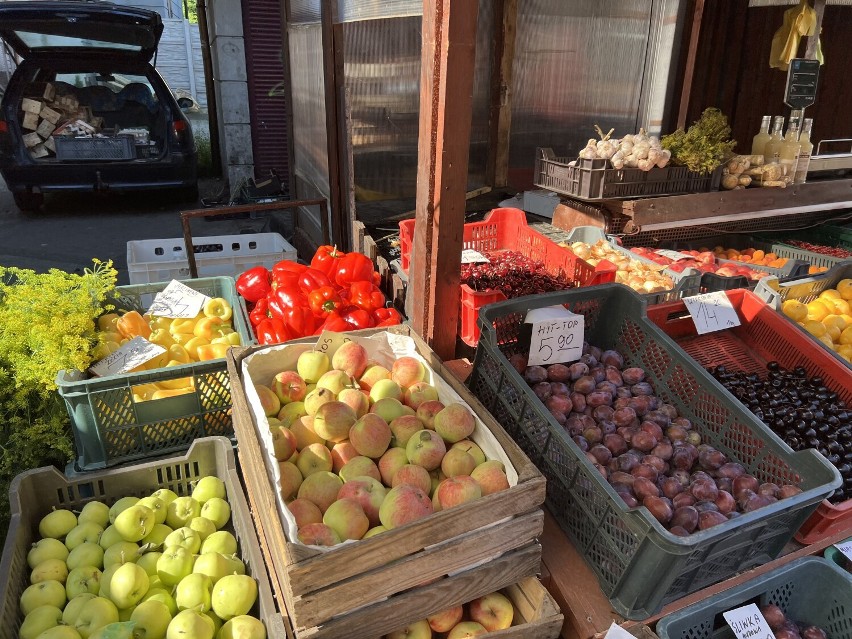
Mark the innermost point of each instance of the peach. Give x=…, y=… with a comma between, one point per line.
x=303, y=429
x=404, y=504
x=457, y=462
x=318, y=535
x=333, y=420
x=408, y=370
x=491, y=477
x=371, y=375
x=336, y=381
x=321, y=488
x=426, y=448
x=289, y=387
x=390, y=462
x=311, y=365
x=341, y=453
x=455, y=423
x=385, y=388
x=388, y=409
x=445, y=620
x=346, y=518
x=403, y=427
x=283, y=443
x=426, y=412
x=351, y=358
x=471, y=447
x=370, y=436
x=360, y=466
x=466, y=629
x=305, y=512
x=314, y=458
x=356, y=399
x=414, y=475
x=418, y=393
x=458, y=490
x=291, y=412
x=268, y=400
x=316, y=398
x=290, y=480
x=366, y=491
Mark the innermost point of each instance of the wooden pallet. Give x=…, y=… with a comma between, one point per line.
x=368, y=588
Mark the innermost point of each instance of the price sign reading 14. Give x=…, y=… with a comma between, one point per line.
x=556, y=336
x=711, y=312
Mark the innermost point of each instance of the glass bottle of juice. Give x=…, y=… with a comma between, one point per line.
x=805, y=151
x=789, y=151
x=760, y=140
x=772, y=149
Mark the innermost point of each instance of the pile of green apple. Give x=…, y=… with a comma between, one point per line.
x=160, y=567
x=362, y=449
x=489, y=613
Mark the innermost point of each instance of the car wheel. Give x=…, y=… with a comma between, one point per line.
x=27, y=201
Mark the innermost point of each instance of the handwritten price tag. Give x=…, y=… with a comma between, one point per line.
x=674, y=255
x=846, y=548
x=469, y=256
x=617, y=632
x=134, y=353
x=556, y=336
x=747, y=622
x=329, y=342
x=177, y=300
x=711, y=312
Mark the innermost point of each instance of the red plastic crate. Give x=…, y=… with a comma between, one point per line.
x=764, y=336
x=507, y=229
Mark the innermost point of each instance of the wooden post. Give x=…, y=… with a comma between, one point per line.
x=689, y=67
x=500, y=121
x=210, y=88
x=446, y=95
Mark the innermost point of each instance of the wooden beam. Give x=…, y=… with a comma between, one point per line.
x=209, y=88
x=689, y=68
x=500, y=116
x=446, y=93
x=819, y=8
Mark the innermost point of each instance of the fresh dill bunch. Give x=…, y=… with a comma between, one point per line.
x=704, y=145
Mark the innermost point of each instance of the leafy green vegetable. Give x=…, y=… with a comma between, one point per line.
x=704, y=145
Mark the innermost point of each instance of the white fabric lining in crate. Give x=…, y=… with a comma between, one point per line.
x=220, y=255
x=383, y=348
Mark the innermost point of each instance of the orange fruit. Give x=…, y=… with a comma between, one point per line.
x=818, y=309
x=817, y=329
x=795, y=310
x=844, y=287
x=846, y=335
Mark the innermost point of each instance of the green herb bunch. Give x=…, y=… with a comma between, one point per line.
x=47, y=324
x=704, y=145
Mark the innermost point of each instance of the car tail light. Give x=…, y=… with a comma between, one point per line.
x=181, y=131
x=4, y=126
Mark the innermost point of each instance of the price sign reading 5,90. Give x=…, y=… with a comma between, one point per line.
x=556, y=336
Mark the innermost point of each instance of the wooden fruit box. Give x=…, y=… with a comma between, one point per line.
x=368, y=588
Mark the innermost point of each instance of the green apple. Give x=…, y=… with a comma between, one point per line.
x=124, y=613
x=216, y=510
x=121, y=553
x=220, y=541
x=152, y=619
x=134, y=523
x=165, y=494
x=243, y=627
x=311, y=365
x=117, y=630
x=184, y=536
x=217, y=623
x=148, y=562
x=157, y=535
x=175, y=564
x=96, y=512
x=194, y=591
x=57, y=523
x=74, y=606
x=236, y=565
x=46, y=593
x=181, y=511
x=128, y=585
x=234, y=595
x=44, y=549
x=190, y=623
x=207, y=488
x=203, y=526
x=213, y=564
x=156, y=504
x=109, y=536
x=164, y=596
x=94, y=614
x=106, y=577
x=60, y=632
x=39, y=620
x=49, y=570
x=121, y=505
x=83, y=531
x=86, y=554
x=82, y=580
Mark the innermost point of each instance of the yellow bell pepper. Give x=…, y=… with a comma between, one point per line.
x=107, y=322
x=182, y=338
x=207, y=352
x=192, y=346
x=162, y=337
x=160, y=322
x=102, y=349
x=171, y=384
x=110, y=336
x=178, y=353
x=132, y=324
x=207, y=327
x=173, y=392
x=182, y=326
x=158, y=362
x=218, y=307
x=231, y=339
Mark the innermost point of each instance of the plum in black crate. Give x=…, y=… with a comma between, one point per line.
x=640, y=565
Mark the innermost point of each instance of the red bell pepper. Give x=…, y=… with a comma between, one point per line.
x=301, y=320
x=357, y=317
x=326, y=259
x=366, y=295
x=254, y=284
x=386, y=317
x=311, y=279
x=354, y=267
x=333, y=322
x=287, y=272
x=259, y=312
x=284, y=297
x=274, y=331
x=324, y=300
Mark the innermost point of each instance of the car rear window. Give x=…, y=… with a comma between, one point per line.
x=47, y=40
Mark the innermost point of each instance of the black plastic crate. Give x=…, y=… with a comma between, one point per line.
x=119, y=147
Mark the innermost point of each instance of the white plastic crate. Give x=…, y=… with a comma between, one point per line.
x=216, y=255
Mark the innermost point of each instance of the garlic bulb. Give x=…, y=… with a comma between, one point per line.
x=645, y=164
x=655, y=155
x=617, y=160
x=641, y=150
x=667, y=156
x=626, y=146
x=589, y=153
x=606, y=149
x=631, y=161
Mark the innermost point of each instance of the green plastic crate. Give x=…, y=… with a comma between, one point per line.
x=810, y=591
x=639, y=564
x=35, y=492
x=826, y=235
x=836, y=557
x=110, y=428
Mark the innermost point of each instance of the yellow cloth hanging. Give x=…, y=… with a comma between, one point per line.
x=799, y=21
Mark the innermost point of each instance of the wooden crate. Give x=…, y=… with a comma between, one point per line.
x=368, y=588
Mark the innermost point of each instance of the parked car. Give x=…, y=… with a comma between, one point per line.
x=85, y=110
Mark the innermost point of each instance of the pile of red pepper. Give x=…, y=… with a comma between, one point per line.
x=337, y=292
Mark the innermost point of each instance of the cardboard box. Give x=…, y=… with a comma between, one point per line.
x=30, y=121
x=45, y=128
x=49, y=91
x=31, y=106
x=31, y=139
x=50, y=145
x=50, y=115
x=38, y=151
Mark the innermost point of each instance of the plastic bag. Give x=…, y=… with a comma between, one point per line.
x=798, y=21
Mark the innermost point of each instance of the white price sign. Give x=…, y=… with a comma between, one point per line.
x=674, y=255
x=469, y=256
x=846, y=548
x=711, y=312
x=330, y=341
x=177, y=300
x=132, y=354
x=747, y=622
x=556, y=337
x=617, y=632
